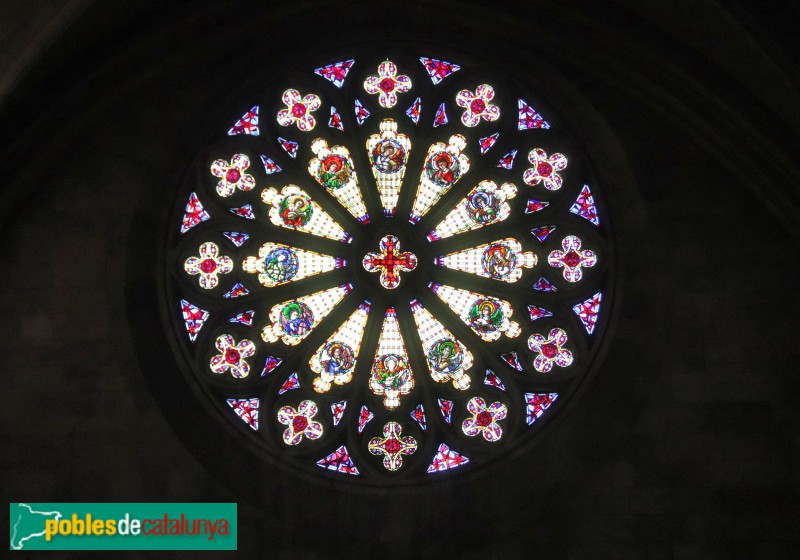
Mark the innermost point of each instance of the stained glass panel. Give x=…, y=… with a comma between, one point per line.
x=278, y=264
x=292, y=208
x=333, y=362
x=447, y=358
x=391, y=374
x=388, y=152
x=487, y=316
x=501, y=260
x=484, y=205
x=293, y=320
x=444, y=166
x=333, y=169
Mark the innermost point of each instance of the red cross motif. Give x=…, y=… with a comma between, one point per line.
x=390, y=262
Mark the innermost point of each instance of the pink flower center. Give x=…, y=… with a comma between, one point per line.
x=572, y=259
x=298, y=110
x=208, y=266
x=233, y=175
x=549, y=350
x=477, y=106
x=386, y=85
x=483, y=419
x=232, y=356
x=544, y=169
x=392, y=446
x=299, y=423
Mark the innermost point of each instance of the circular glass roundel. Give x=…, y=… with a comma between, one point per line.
x=389, y=270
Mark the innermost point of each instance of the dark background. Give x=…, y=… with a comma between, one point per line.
x=685, y=443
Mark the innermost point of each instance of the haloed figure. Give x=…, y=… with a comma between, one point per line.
x=443, y=175
x=337, y=361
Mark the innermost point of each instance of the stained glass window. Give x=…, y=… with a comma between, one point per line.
x=367, y=311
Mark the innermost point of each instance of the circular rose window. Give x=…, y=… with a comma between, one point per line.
x=389, y=270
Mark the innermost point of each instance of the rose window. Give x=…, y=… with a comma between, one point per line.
x=390, y=269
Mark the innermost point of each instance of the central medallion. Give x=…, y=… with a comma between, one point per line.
x=390, y=262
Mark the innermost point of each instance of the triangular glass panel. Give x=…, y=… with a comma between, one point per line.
x=339, y=461
x=290, y=384
x=534, y=205
x=414, y=111
x=292, y=208
x=248, y=124
x=235, y=237
x=588, y=310
x=487, y=142
x=544, y=285
x=336, y=357
x=447, y=357
x=438, y=69
x=289, y=146
x=333, y=168
x=361, y=113
x=444, y=166
x=238, y=290
x=247, y=410
x=270, y=166
x=538, y=312
x=245, y=318
x=418, y=414
x=270, y=364
x=389, y=150
x=335, y=73
x=441, y=116
x=292, y=320
x=492, y=380
x=484, y=205
x=335, y=120
x=585, y=207
x=512, y=360
x=446, y=408
x=446, y=459
x=337, y=409
x=245, y=212
x=507, y=161
x=364, y=417
x=502, y=260
x=529, y=118
x=278, y=263
x=536, y=404
x=542, y=232
x=487, y=316
x=195, y=213
x=391, y=377
x=194, y=317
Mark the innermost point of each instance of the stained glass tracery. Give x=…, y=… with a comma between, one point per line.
x=465, y=329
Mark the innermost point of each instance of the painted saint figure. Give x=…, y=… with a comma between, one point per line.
x=296, y=318
x=391, y=377
x=334, y=172
x=445, y=356
x=486, y=316
x=388, y=156
x=498, y=261
x=337, y=358
x=296, y=210
x=444, y=170
x=281, y=264
x=483, y=207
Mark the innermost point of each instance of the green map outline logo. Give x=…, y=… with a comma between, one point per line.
x=19, y=545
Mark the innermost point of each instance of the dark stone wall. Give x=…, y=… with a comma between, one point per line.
x=684, y=444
